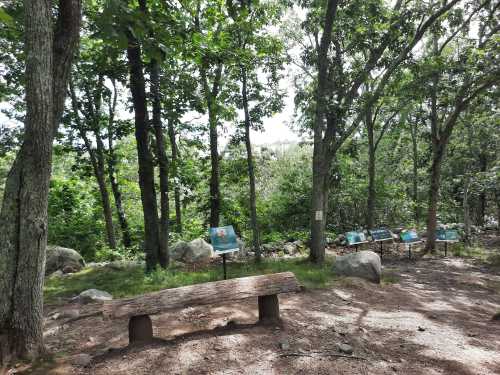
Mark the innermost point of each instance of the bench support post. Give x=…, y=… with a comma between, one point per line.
x=269, y=309
x=140, y=328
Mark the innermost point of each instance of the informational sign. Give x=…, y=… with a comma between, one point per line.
x=409, y=236
x=381, y=234
x=224, y=240
x=319, y=215
x=354, y=238
x=449, y=235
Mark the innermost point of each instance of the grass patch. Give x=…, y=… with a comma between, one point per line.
x=460, y=250
x=390, y=277
x=133, y=281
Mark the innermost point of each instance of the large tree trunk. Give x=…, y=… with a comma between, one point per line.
x=414, y=144
x=370, y=214
x=321, y=161
x=466, y=206
x=23, y=216
x=251, y=170
x=162, y=162
x=319, y=207
x=175, y=170
x=214, y=173
x=145, y=158
x=497, y=196
x=435, y=180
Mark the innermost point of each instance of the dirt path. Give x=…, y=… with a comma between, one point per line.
x=434, y=319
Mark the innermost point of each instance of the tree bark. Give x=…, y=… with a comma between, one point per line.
x=103, y=189
x=145, y=158
x=112, y=173
x=211, y=95
x=414, y=144
x=175, y=170
x=23, y=216
x=320, y=157
x=162, y=162
x=370, y=214
x=251, y=169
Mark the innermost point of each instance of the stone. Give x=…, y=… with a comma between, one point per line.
x=196, y=251
x=345, y=348
x=284, y=344
x=178, y=250
x=82, y=360
x=56, y=274
x=289, y=248
x=69, y=314
x=92, y=295
x=268, y=248
x=363, y=264
x=61, y=258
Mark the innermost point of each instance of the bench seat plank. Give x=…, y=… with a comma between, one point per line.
x=202, y=294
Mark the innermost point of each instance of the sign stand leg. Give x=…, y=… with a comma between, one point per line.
x=445, y=249
x=409, y=251
x=381, y=250
x=356, y=247
x=224, y=265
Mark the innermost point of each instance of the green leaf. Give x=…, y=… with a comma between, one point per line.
x=5, y=18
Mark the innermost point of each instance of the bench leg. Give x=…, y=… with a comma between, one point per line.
x=269, y=309
x=140, y=328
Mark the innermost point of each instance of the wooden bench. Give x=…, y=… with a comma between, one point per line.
x=138, y=309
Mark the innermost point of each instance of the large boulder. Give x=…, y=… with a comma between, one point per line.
x=64, y=259
x=364, y=264
x=196, y=251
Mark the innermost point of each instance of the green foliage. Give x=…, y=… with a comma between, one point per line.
x=75, y=218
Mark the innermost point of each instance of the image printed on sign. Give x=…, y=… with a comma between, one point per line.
x=409, y=236
x=354, y=238
x=224, y=239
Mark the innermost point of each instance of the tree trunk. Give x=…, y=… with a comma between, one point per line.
x=319, y=208
x=370, y=215
x=97, y=161
x=162, y=162
x=466, y=207
x=414, y=144
x=435, y=179
x=175, y=170
x=251, y=171
x=321, y=163
x=103, y=189
x=23, y=216
x=483, y=167
x=497, y=195
x=117, y=194
x=145, y=158
x=214, y=173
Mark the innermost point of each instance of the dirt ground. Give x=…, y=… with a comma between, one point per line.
x=433, y=317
